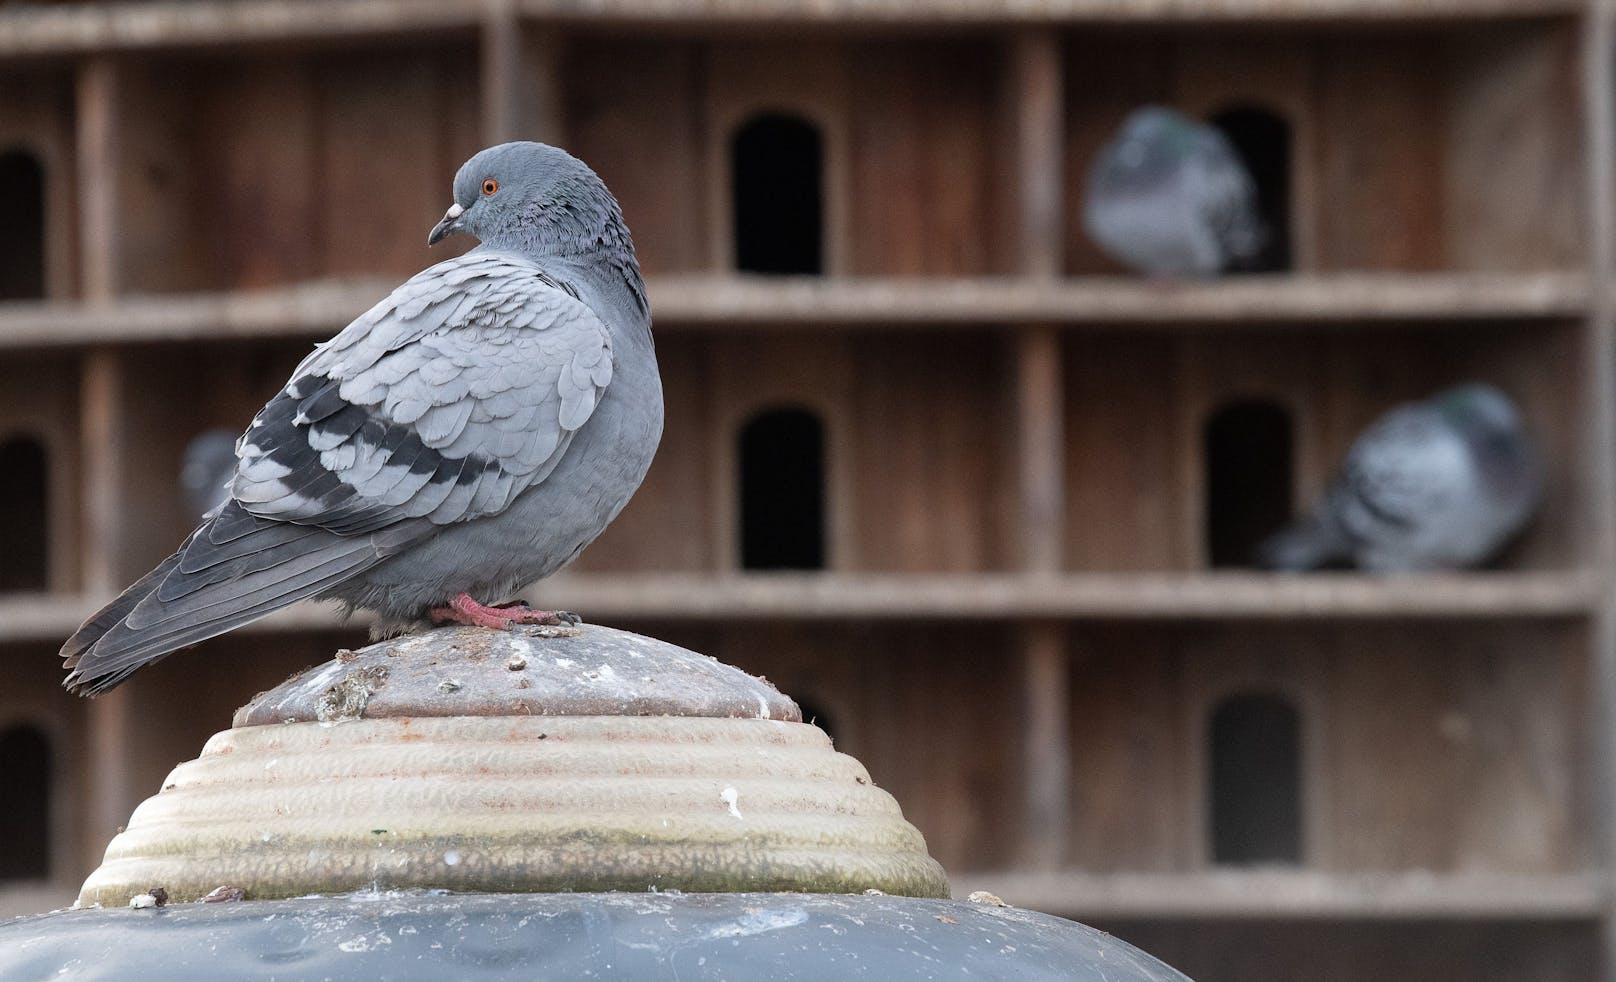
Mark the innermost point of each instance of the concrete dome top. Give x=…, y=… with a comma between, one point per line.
x=532, y=760
x=527, y=671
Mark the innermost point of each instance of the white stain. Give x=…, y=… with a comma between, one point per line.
x=731, y=798
x=452, y=857
x=760, y=922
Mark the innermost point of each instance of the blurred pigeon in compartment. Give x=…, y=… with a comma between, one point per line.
x=206, y=470
x=1440, y=484
x=1170, y=197
x=470, y=434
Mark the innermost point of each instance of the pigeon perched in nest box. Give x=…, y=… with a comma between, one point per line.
x=1170, y=197
x=468, y=435
x=1440, y=484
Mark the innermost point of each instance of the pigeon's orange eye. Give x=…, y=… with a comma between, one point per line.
x=490, y=186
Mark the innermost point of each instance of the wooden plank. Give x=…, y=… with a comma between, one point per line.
x=99, y=151
x=1514, y=157
x=610, y=122
x=1046, y=769
x=521, y=87
x=937, y=461
x=101, y=28
x=1295, y=895
x=922, y=124
x=76, y=29
x=694, y=302
x=1038, y=69
x=1596, y=436
x=109, y=794
x=1380, y=200
x=1041, y=449
x=1125, y=499
x=786, y=597
x=384, y=185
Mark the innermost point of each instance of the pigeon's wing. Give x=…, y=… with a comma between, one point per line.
x=1217, y=179
x=1405, y=469
x=444, y=403
x=441, y=404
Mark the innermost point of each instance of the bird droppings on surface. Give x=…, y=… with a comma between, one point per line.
x=225, y=894
x=143, y=901
x=731, y=797
x=451, y=858
x=347, y=699
x=984, y=897
x=447, y=686
x=515, y=663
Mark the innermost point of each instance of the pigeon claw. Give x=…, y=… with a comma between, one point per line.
x=464, y=610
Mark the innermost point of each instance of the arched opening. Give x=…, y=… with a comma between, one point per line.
x=777, y=163
x=24, y=477
x=25, y=773
x=1256, y=780
x=22, y=216
x=1247, y=453
x=1263, y=140
x=782, y=483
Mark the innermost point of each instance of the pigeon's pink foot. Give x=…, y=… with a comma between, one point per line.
x=464, y=610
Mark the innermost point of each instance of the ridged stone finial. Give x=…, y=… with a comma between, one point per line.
x=534, y=760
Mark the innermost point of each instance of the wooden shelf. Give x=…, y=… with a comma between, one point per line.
x=70, y=29
x=991, y=596
x=1286, y=894
x=78, y=29
x=1092, y=595
x=753, y=303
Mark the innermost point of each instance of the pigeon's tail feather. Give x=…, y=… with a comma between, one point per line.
x=141, y=626
x=107, y=617
x=1308, y=544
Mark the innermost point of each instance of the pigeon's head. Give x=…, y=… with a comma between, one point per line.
x=1490, y=425
x=534, y=198
x=1478, y=409
x=1153, y=141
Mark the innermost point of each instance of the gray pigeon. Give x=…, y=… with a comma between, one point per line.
x=1440, y=484
x=206, y=470
x=1170, y=197
x=470, y=434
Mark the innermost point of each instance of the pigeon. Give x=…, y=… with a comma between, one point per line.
x=466, y=436
x=1439, y=484
x=1170, y=197
x=206, y=468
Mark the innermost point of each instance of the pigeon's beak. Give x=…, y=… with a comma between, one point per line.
x=447, y=227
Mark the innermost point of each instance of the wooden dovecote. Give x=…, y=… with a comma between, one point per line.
x=1029, y=615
